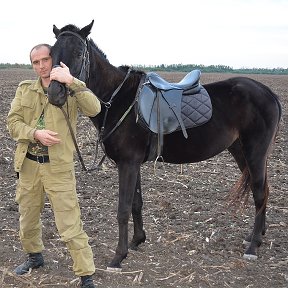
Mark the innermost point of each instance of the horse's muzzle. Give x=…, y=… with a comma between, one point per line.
x=57, y=93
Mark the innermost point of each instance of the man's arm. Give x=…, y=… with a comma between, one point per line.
x=18, y=129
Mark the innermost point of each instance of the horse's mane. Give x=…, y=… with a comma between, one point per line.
x=125, y=68
x=95, y=47
x=70, y=27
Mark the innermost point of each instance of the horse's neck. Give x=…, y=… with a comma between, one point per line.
x=104, y=80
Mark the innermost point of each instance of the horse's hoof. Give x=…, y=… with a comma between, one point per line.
x=133, y=248
x=250, y=257
x=114, y=269
x=246, y=243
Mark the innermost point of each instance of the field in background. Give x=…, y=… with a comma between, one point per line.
x=193, y=240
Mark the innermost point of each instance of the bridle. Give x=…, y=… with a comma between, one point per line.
x=83, y=75
x=102, y=137
x=108, y=104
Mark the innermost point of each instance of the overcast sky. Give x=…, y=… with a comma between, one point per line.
x=236, y=33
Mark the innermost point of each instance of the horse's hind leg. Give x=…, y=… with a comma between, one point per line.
x=256, y=152
x=254, y=240
x=139, y=234
x=236, y=150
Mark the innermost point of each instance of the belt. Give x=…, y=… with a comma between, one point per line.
x=38, y=158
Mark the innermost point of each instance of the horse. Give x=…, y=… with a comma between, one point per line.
x=245, y=120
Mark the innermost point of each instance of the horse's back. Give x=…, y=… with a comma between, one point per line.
x=246, y=98
x=242, y=108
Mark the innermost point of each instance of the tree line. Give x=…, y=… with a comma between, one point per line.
x=16, y=65
x=213, y=69
x=184, y=68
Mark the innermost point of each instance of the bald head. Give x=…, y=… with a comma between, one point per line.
x=37, y=47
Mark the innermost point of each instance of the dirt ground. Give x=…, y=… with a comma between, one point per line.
x=193, y=240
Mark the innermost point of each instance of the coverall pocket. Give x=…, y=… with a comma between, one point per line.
x=26, y=197
x=63, y=198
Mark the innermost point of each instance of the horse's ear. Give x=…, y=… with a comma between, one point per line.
x=56, y=31
x=85, y=31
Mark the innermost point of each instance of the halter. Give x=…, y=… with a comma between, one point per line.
x=84, y=75
x=84, y=72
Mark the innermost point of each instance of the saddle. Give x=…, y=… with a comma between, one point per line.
x=165, y=107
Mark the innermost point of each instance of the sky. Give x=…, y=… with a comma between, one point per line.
x=235, y=33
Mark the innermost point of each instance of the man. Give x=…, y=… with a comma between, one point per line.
x=44, y=161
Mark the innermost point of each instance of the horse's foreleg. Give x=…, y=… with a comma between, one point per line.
x=139, y=234
x=127, y=182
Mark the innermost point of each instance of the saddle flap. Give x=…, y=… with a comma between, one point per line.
x=155, y=110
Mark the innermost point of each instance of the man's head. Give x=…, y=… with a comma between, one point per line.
x=41, y=60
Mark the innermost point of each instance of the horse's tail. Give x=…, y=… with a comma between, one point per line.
x=280, y=114
x=276, y=98
x=269, y=91
x=239, y=194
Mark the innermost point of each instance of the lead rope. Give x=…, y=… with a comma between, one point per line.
x=99, y=141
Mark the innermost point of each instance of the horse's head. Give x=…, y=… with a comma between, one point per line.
x=70, y=48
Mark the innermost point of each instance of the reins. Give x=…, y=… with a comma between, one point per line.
x=108, y=105
x=73, y=138
x=101, y=138
x=84, y=75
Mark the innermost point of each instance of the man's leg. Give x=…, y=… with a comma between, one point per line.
x=30, y=198
x=61, y=191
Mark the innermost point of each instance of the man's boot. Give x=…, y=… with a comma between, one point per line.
x=35, y=260
x=87, y=282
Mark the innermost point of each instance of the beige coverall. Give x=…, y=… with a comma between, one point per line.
x=56, y=178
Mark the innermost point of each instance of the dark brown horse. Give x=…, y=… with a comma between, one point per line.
x=245, y=120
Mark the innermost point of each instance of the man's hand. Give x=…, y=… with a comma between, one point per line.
x=46, y=137
x=61, y=74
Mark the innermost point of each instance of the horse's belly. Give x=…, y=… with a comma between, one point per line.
x=197, y=147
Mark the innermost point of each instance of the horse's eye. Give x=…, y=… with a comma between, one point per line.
x=77, y=54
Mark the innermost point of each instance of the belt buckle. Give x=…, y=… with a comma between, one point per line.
x=40, y=159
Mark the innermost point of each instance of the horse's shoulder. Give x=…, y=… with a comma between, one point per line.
x=26, y=82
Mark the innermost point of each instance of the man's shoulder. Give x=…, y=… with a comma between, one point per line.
x=26, y=82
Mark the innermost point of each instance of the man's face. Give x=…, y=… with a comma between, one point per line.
x=41, y=61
